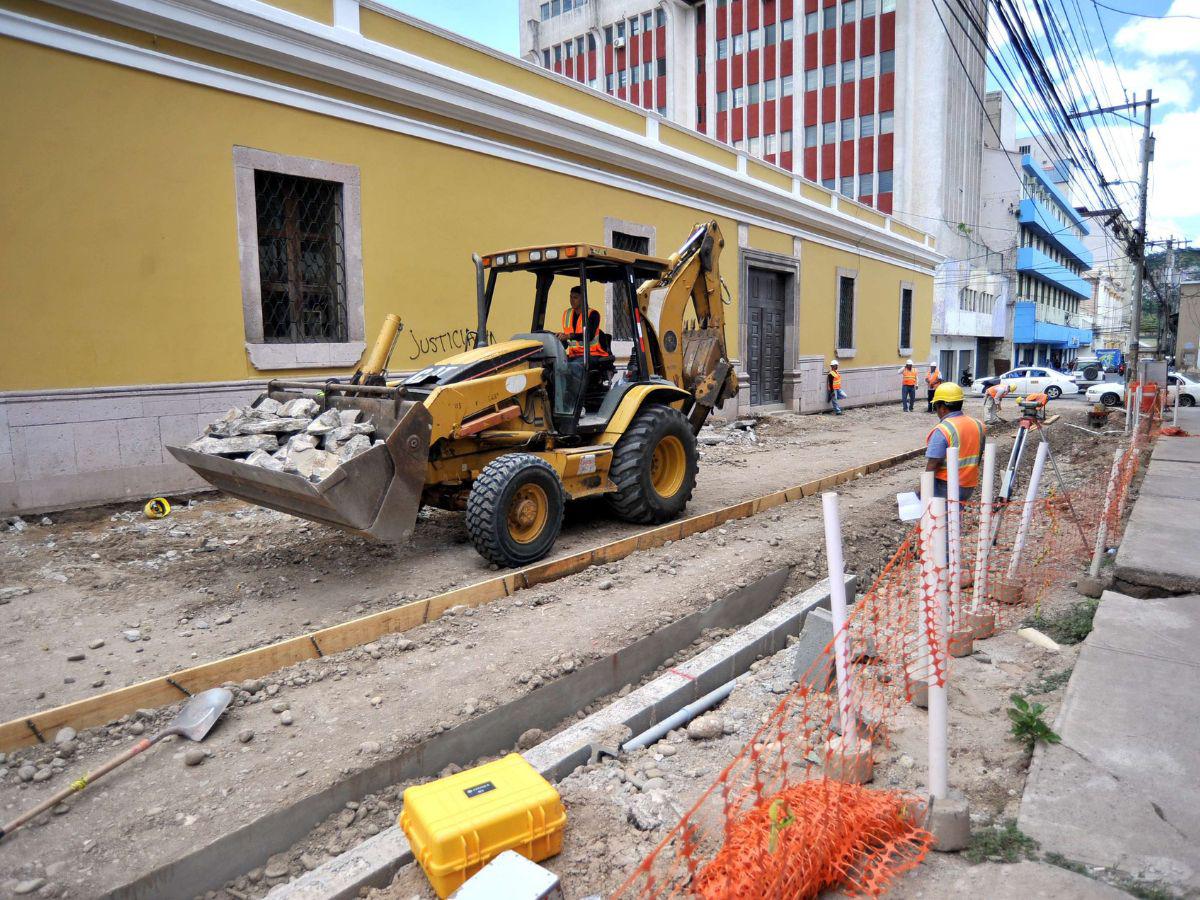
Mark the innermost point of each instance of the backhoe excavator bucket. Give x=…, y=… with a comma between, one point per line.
x=375, y=494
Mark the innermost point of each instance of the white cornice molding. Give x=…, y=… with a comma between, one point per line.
x=263, y=34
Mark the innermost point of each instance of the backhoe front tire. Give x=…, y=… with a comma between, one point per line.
x=654, y=466
x=515, y=510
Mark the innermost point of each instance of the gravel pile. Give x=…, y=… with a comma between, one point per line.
x=293, y=437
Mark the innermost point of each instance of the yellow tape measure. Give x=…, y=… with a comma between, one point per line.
x=158, y=508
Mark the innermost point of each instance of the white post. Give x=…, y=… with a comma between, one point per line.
x=988, y=484
x=954, y=534
x=939, y=766
x=1129, y=407
x=1137, y=410
x=1102, y=529
x=1175, y=409
x=837, y=611
x=1027, y=513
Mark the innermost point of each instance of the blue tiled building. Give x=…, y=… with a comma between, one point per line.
x=1051, y=259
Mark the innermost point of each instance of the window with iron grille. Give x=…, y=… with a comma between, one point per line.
x=845, y=320
x=301, y=258
x=622, y=325
x=906, y=298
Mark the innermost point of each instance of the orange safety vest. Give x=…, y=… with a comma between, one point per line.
x=835, y=379
x=933, y=379
x=997, y=392
x=908, y=376
x=968, y=435
x=572, y=323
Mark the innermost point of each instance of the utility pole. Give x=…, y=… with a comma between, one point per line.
x=1135, y=325
x=1139, y=238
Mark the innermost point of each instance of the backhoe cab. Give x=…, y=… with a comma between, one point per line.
x=512, y=430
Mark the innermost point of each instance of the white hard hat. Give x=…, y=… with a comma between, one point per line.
x=833, y=362
x=908, y=362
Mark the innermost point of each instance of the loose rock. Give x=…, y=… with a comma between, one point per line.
x=194, y=756
x=706, y=727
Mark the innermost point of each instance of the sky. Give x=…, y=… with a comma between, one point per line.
x=1162, y=54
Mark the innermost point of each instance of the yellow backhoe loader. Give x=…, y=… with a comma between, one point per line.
x=510, y=431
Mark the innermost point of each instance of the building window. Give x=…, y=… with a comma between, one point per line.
x=888, y=6
x=847, y=129
x=810, y=79
x=300, y=240
x=647, y=21
x=756, y=146
x=739, y=97
x=768, y=34
x=756, y=39
x=723, y=48
x=722, y=101
x=769, y=89
x=555, y=7
x=868, y=67
x=828, y=75
x=866, y=184
x=829, y=184
x=786, y=141
x=849, y=13
x=847, y=188
x=662, y=68
x=810, y=135
x=739, y=144
x=545, y=11
x=755, y=93
x=868, y=8
x=848, y=70
x=866, y=126
x=579, y=46
x=634, y=27
x=546, y=57
x=830, y=17
x=1023, y=149
x=568, y=50
x=788, y=85
x=887, y=61
x=623, y=78
x=558, y=53
x=829, y=133
x=771, y=144
x=739, y=44
x=608, y=35
x=788, y=29
x=591, y=43
x=885, y=182
x=812, y=23
x=660, y=17
x=620, y=29
x=906, y=303
x=647, y=71
x=634, y=75
x=845, y=310
x=608, y=82
x=886, y=121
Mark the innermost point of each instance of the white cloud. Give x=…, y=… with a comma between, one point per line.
x=1163, y=37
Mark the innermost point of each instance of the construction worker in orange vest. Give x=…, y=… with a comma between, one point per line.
x=573, y=333
x=992, y=398
x=954, y=429
x=835, y=387
x=908, y=386
x=932, y=379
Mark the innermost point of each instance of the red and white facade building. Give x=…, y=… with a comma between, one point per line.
x=879, y=100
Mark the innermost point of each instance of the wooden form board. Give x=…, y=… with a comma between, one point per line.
x=112, y=705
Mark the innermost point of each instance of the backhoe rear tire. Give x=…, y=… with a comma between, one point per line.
x=654, y=466
x=515, y=510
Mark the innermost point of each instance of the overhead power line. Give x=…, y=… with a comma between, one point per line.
x=1141, y=15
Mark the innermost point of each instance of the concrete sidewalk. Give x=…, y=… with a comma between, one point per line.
x=1158, y=554
x=1122, y=790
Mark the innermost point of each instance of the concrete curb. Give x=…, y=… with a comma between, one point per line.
x=375, y=862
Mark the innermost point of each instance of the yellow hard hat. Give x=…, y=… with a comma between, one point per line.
x=1012, y=388
x=948, y=392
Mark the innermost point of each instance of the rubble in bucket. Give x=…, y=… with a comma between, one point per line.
x=293, y=437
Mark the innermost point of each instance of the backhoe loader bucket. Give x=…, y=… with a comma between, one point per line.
x=375, y=494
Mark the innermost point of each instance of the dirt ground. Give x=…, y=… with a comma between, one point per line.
x=176, y=581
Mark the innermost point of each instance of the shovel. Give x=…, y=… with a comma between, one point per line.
x=193, y=722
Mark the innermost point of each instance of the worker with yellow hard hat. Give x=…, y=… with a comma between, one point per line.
x=992, y=398
x=954, y=429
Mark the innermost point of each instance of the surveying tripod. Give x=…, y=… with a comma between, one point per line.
x=1033, y=418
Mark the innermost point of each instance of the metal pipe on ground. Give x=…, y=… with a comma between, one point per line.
x=679, y=719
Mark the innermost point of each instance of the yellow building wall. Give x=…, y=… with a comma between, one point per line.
x=120, y=259
x=877, y=309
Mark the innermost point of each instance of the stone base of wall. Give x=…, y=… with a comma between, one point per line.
x=81, y=447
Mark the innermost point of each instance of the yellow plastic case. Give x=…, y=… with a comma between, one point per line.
x=458, y=824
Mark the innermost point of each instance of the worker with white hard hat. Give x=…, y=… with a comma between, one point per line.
x=834, y=381
x=908, y=386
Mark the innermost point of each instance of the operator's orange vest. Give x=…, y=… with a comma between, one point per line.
x=967, y=435
x=835, y=379
x=909, y=377
x=933, y=379
x=572, y=323
x=1039, y=399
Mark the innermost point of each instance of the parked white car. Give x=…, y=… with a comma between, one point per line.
x=1113, y=393
x=1030, y=380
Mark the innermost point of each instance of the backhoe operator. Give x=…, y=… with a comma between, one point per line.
x=573, y=333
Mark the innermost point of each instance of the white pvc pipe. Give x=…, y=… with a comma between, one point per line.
x=679, y=717
x=988, y=485
x=939, y=712
x=1175, y=410
x=1137, y=410
x=1027, y=513
x=954, y=533
x=1102, y=529
x=837, y=612
x=1129, y=407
